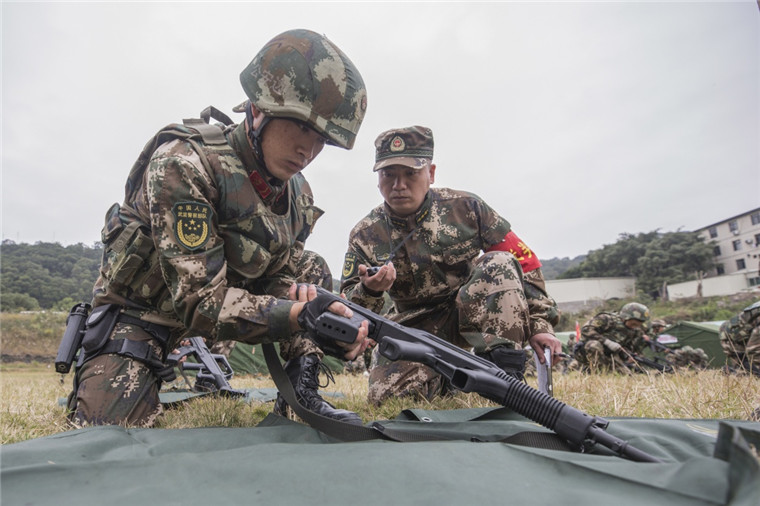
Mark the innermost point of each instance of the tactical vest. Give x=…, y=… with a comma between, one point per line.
x=258, y=242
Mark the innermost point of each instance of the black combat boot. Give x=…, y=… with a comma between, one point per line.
x=510, y=361
x=303, y=373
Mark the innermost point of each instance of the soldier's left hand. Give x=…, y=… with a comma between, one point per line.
x=303, y=293
x=545, y=340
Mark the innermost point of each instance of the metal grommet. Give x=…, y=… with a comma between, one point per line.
x=426, y=419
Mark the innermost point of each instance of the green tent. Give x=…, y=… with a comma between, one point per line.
x=697, y=335
x=478, y=459
x=249, y=359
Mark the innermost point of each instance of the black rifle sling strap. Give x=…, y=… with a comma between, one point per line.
x=335, y=428
x=350, y=433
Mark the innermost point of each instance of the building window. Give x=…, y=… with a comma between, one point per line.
x=713, y=232
x=737, y=245
x=757, y=240
x=716, y=251
x=719, y=268
x=733, y=226
x=755, y=217
x=740, y=265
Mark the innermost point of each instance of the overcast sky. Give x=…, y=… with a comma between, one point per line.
x=577, y=121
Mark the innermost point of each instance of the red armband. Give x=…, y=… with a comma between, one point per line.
x=520, y=250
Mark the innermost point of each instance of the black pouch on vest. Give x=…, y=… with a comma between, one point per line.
x=98, y=329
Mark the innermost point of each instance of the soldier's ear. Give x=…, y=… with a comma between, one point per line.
x=258, y=117
x=432, y=173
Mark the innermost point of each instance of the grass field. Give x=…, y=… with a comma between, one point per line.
x=29, y=404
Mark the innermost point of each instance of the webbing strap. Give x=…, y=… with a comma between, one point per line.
x=212, y=134
x=350, y=433
x=335, y=428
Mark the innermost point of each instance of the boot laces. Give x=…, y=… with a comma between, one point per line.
x=321, y=368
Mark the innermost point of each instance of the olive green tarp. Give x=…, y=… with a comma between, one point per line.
x=280, y=462
x=699, y=335
x=249, y=359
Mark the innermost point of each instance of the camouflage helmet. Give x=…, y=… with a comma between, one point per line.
x=658, y=323
x=301, y=75
x=634, y=311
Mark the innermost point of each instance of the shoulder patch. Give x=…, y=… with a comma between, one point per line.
x=349, y=266
x=192, y=222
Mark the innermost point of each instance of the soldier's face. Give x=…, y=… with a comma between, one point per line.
x=633, y=324
x=404, y=188
x=289, y=146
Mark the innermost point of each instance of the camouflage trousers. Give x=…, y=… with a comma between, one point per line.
x=112, y=389
x=489, y=310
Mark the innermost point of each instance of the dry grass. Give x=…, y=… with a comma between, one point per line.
x=30, y=399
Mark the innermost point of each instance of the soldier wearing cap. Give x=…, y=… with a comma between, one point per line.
x=423, y=248
x=209, y=239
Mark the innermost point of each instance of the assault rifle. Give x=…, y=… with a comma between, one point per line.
x=210, y=376
x=470, y=373
x=656, y=363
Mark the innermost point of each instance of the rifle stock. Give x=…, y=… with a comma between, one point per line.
x=470, y=373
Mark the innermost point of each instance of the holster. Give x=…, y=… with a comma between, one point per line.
x=100, y=326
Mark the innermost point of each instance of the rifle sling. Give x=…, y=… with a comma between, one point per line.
x=335, y=428
x=349, y=432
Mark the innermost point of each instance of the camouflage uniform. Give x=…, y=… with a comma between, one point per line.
x=740, y=338
x=206, y=242
x=688, y=357
x=593, y=350
x=444, y=285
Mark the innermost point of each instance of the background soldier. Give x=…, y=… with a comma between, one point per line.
x=607, y=337
x=685, y=356
x=740, y=339
x=427, y=244
x=210, y=237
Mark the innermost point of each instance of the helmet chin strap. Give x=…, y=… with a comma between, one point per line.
x=254, y=135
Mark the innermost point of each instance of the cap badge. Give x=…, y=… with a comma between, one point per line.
x=397, y=144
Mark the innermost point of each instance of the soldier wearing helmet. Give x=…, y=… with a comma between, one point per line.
x=209, y=239
x=608, y=338
x=658, y=326
x=426, y=244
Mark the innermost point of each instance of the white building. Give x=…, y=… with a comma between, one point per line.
x=737, y=243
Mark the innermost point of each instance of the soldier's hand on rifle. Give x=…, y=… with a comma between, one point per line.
x=612, y=346
x=309, y=306
x=544, y=340
x=379, y=282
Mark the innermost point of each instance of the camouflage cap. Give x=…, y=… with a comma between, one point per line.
x=302, y=75
x=412, y=147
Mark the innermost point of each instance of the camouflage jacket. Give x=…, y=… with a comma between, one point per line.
x=742, y=334
x=611, y=326
x=452, y=228
x=203, y=243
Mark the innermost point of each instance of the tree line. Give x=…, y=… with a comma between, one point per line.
x=50, y=276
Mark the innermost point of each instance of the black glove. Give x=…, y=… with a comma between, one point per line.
x=307, y=318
